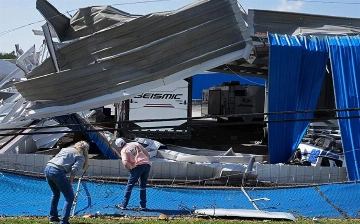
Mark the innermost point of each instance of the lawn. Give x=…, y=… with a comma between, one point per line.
x=180, y=220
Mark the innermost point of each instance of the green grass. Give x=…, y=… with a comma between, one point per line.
x=109, y=220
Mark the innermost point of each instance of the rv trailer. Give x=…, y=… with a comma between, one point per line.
x=233, y=101
x=171, y=101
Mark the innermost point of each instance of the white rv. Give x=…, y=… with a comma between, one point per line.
x=172, y=101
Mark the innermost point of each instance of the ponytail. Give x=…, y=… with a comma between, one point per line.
x=82, y=147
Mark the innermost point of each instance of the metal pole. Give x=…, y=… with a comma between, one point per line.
x=118, y=108
x=252, y=201
x=77, y=194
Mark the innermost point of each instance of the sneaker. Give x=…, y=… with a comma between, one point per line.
x=143, y=209
x=120, y=206
x=55, y=221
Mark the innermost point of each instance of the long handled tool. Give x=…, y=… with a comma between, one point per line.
x=77, y=194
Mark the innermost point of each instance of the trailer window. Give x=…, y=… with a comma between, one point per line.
x=240, y=92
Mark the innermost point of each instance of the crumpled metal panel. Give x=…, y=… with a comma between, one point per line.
x=89, y=20
x=85, y=21
x=145, y=49
x=59, y=22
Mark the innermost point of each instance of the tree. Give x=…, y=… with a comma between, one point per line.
x=8, y=55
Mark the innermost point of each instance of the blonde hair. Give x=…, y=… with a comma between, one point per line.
x=82, y=147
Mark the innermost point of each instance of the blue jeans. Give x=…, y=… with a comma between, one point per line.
x=58, y=182
x=140, y=173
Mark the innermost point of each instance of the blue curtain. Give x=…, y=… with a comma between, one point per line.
x=296, y=72
x=345, y=64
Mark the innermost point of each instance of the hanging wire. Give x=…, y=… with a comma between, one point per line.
x=214, y=117
x=259, y=84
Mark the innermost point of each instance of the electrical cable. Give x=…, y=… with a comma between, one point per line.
x=262, y=122
x=259, y=84
x=201, y=118
x=14, y=29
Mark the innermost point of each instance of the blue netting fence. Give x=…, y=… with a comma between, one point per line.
x=27, y=194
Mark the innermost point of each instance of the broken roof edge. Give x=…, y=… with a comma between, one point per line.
x=132, y=91
x=261, y=22
x=59, y=22
x=327, y=30
x=239, y=11
x=301, y=13
x=64, y=27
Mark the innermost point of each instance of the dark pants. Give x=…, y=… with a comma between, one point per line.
x=140, y=173
x=58, y=182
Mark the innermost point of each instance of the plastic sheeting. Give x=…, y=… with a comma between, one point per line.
x=296, y=73
x=345, y=63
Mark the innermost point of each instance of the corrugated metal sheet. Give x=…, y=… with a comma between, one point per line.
x=59, y=21
x=143, y=50
x=207, y=80
x=296, y=73
x=86, y=21
x=263, y=21
x=345, y=64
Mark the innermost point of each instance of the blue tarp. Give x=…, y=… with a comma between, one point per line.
x=296, y=73
x=207, y=80
x=345, y=64
x=76, y=123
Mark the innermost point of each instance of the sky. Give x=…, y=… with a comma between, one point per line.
x=19, y=17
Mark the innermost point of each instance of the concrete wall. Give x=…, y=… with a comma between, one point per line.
x=110, y=168
x=183, y=171
x=300, y=174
